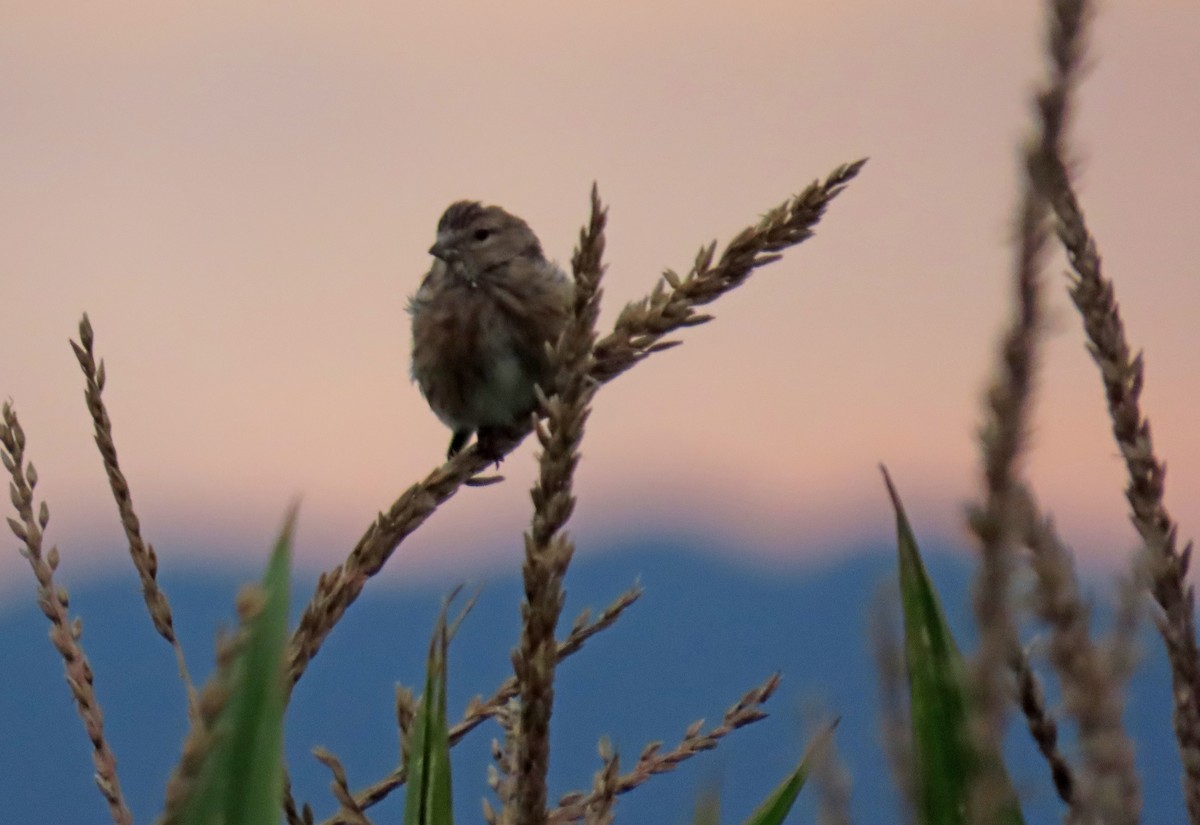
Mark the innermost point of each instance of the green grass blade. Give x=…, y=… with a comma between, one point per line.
x=775, y=808
x=944, y=759
x=427, y=798
x=240, y=780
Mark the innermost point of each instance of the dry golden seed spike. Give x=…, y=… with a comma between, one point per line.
x=141, y=554
x=52, y=600
x=1046, y=179
x=249, y=602
x=85, y=361
x=341, y=792
x=604, y=748
x=326, y=758
x=406, y=711
x=1042, y=728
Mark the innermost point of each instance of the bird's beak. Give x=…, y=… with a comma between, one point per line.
x=438, y=250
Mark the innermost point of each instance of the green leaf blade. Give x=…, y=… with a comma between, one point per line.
x=428, y=796
x=240, y=780
x=257, y=714
x=774, y=809
x=945, y=761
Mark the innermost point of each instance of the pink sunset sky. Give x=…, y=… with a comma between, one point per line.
x=240, y=194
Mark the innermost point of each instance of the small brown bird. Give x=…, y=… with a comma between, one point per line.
x=481, y=320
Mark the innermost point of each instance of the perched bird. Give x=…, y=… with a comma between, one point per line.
x=481, y=320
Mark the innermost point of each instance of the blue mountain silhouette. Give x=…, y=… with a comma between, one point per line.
x=706, y=630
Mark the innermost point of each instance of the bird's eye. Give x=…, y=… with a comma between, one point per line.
x=482, y=234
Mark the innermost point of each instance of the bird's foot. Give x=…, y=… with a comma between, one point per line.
x=457, y=442
x=493, y=442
